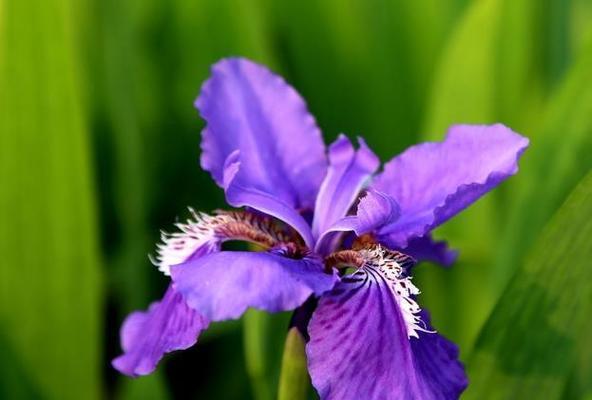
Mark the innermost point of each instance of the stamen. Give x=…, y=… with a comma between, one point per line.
x=205, y=233
x=260, y=230
x=364, y=241
x=344, y=258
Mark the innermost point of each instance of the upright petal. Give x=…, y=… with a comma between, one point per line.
x=168, y=325
x=223, y=285
x=349, y=170
x=432, y=182
x=248, y=108
x=368, y=341
x=376, y=211
x=240, y=193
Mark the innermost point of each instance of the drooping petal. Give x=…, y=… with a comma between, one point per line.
x=348, y=171
x=432, y=182
x=249, y=109
x=166, y=326
x=436, y=357
x=368, y=341
x=223, y=285
x=239, y=193
x=170, y=324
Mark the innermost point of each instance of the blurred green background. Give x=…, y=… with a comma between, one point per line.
x=99, y=147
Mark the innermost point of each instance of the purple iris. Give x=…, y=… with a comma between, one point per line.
x=316, y=212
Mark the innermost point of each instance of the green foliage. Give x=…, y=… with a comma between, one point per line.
x=50, y=282
x=14, y=380
x=540, y=327
x=554, y=166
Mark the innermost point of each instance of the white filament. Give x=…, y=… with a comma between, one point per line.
x=401, y=287
x=198, y=233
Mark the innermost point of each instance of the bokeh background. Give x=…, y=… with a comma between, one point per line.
x=99, y=147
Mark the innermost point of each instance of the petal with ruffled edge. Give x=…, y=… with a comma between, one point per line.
x=432, y=182
x=368, y=341
x=349, y=170
x=223, y=285
x=249, y=109
x=168, y=325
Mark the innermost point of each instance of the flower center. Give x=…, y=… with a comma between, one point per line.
x=204, y=233
x=392, y=267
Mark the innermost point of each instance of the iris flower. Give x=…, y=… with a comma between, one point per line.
x=333, y=228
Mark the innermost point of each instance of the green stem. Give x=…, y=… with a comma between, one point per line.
x=294, y=381
x=257, y=348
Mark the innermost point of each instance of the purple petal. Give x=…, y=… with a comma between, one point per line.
x=223, y=285
x=376, y=210
x=432, y=182
x=436, y=357
x=168, y=325
x=361, y=346
x=248, y=108
x=239, y=193
x=348, y=171
x=426, y=249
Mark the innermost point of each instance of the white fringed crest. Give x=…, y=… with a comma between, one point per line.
x=393, y=266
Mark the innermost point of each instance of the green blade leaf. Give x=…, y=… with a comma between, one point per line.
x=541, y=324
x=463, y=89
x=50, y=282
x=558, y=156
x=370, y=71
x=14, y=380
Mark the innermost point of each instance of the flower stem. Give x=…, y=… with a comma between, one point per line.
x=256, y=336
x=294, y=381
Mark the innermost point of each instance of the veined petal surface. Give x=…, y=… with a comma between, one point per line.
x=369, y=340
